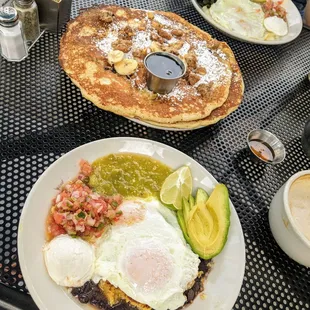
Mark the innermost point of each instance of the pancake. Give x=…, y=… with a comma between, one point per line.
x=232, y=103
x=96, y=32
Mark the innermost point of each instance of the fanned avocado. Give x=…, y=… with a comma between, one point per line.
x=209, y=223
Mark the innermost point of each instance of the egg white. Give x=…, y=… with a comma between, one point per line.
x=243, y=16
x=276, y=25
x=69, y=261
x=147, y=258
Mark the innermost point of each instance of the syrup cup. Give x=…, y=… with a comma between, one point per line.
x=163, y=84
x=274, y=142
x=283, y=227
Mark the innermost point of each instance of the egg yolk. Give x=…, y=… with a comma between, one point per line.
x=132, y=212
x=149, y=269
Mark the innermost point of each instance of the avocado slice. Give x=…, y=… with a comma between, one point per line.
x=182, y=224
x=186, y=211
x=201, y=196
x=209, y=223
x=191, y=202
x=200, y=200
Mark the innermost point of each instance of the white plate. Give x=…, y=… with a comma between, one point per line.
x=138, y=121
x=222, y=285
x=293, y=18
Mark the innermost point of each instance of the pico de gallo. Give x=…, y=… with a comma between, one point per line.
x=78, y=211
x=274, y=8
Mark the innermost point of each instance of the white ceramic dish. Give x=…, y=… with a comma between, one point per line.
x=293, y=18
x=225, y=280
x=161, y=128
x=283, y=227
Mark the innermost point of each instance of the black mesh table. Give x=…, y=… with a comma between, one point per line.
x=43, y=116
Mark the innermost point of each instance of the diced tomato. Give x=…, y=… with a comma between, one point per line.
x=272, y=8
x=56, y=230
x=85, y=167
x=58, y=217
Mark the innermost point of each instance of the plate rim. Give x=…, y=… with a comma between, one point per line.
x=146, y=124
x=241, y=38
x=24, y=270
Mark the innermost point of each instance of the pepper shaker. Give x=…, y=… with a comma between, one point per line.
x=29, y=16
x=12, y=41
x=305, y=138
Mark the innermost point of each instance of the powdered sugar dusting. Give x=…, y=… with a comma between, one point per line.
x=184, y=49
x=216, y=70
x=105, y=45
x=221, y=54
x=141, y=40
x=204, y=56
x=178, y=93
x=172, y=40
x=163, y=20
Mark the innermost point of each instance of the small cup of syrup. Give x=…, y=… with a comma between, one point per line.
x=164, y=70
x=265, y=147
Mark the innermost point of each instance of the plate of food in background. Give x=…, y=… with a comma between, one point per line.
x=128, y=223
x=269, y=22
x=110, y=44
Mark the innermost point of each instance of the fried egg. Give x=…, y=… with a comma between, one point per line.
x=69, y=261
x=243, y=16
x=146, y=256
x=276, y=25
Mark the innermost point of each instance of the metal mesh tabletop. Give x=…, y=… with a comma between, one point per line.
x=43, y=116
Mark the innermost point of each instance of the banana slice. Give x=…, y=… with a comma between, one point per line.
x=115, y=57
x=126, y=66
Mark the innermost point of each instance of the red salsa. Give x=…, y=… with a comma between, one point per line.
x=79, y=211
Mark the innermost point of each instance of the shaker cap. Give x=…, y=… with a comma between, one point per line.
x=24, y=2
x=8, y=16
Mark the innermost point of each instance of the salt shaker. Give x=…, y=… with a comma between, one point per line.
x=28, y=14
x=12, y=41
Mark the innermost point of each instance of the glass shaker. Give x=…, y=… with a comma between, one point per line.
x=12, y=41
x=29, y=16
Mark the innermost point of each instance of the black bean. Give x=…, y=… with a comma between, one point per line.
x=190, y=295
x=203, y=266
x=86, y=287
x=84, y=299
x=196, y=287
x=76, y=291
x=103, y=305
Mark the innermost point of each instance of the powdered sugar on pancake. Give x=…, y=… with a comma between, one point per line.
x=105, y=45
x=184, y=49
x=216, y=70
x=141, y=40
x=163, y=20
x=178, y=93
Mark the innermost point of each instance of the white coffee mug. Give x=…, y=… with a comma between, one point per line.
x=283, y=227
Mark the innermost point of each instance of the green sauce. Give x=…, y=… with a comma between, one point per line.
x=129, y=175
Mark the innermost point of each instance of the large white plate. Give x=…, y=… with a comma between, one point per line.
x=138, y=121
x=293, y=18
x=225, y=280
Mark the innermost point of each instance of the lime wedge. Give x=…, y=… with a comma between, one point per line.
x=178, y=185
